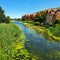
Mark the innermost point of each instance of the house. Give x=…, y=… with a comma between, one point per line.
x=58, y=14
x=52, y=16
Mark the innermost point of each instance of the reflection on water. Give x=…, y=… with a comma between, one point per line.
x=37, y=45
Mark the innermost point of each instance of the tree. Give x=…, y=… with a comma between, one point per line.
x=24, y=17
x=3, y=18
x=40, y=16
x=7, y=19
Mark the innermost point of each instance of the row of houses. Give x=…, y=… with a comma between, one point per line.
x=30, y=16
x=51, y=16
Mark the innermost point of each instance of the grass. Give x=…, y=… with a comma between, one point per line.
x=55, y=30
x=31, y=22
x=9, y=34
x=11, y=40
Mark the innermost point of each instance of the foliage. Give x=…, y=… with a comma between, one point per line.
x=41, y=16
x=36, y=23
x=57, y=21
x=55, y=30
x=24, y=17
x=3, y=18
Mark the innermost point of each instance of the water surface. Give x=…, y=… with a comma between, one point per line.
x=38, y=45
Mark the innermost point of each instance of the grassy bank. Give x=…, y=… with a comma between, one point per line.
x=46, y=32
x=12, y=43
x=55, y=30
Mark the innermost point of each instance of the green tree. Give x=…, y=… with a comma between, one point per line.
x=24, y=17
x=7, y=19
x=3, y=18
x=40, y=16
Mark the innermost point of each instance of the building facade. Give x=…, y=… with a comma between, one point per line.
x=52, y=16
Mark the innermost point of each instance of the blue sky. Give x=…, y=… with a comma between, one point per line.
x=17, y=8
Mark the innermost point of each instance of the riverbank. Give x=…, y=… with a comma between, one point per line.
x=12, y=42
x=44, y=31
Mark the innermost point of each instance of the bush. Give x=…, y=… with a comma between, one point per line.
x=7, y=20
x=36, y=23
x=57, y=21
x=55, y=30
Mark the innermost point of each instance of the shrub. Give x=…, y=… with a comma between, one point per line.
x=36, y=23
x=55, y=30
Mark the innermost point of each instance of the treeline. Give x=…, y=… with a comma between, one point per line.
x=3, y=17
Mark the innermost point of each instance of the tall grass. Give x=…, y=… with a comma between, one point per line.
x=9, y=33
x=12, y=43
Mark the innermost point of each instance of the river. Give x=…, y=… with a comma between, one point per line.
x=38, y=45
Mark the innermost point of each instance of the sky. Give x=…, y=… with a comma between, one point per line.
x=18, y=8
